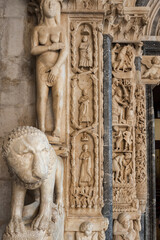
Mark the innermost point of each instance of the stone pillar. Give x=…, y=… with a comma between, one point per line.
x=107, y=140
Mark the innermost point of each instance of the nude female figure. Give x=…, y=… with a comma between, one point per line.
x=49, y=45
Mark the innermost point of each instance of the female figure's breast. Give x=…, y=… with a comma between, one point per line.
x=55, y=38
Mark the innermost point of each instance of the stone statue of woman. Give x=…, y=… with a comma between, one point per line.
x=49, y=45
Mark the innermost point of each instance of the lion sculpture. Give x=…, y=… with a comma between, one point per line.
x=34, y=165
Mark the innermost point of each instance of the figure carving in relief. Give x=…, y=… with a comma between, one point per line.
x=87, y=233
x=33, y=165
x=127, y=136
x=153, y=68
x=87, y=4
x=118, y=106
x=85, y=53
x=115, y=51
x=128, y=167
x=84, y=138
x=123, y=228
x=84, y=108
x=86, y=175
x=117, y=168
x=121, y=57
x=118, y=136
x=49, y=45
x=124, y=60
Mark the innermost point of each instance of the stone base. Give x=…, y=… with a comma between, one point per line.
x=55, y=230
x=28, y=235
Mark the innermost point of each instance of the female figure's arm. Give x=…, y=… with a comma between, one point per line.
x=54, y=71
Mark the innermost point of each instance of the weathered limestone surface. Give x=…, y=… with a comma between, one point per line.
x=17, y=86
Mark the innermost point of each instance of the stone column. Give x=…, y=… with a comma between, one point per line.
x=107, y=140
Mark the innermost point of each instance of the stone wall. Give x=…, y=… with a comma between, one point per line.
x=17, y=85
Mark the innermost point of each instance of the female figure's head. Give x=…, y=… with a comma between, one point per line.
x=50, y=9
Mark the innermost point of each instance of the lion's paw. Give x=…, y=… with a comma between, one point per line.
x=41, y=222
x=15, y=226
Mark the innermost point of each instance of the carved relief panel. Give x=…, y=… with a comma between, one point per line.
x=150, y=69
x=129, y=140
x=85, y=169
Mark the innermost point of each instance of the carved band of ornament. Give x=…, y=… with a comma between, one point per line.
x=74, y=84
x=74, y=28
x=140, y=136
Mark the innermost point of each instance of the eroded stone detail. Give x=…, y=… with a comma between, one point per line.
x=127, y=227
x=150, y=69
x=34, y=165
x=123, y=22
x=87, y=232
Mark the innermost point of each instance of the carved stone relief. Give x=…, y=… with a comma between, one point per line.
x=86, y=161
x=127, y=227
x=87, y=233
x=150, y=69
x=129, y=143
x=140, y=134
x=124, y=21
x=34, y=165
x=85, y=185
x=67, y=42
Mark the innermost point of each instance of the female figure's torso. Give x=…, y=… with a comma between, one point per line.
x=46, y=37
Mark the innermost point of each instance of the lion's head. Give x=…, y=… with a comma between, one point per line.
x=27, y=154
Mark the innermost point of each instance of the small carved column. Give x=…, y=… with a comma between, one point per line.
x=107, y=139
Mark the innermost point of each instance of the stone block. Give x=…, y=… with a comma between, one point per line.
x=14, y=36
x=5, y=200
x=16, y=9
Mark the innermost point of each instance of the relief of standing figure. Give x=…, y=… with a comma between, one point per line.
x=85, y=53
x=86, y=167
x=84, y=108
